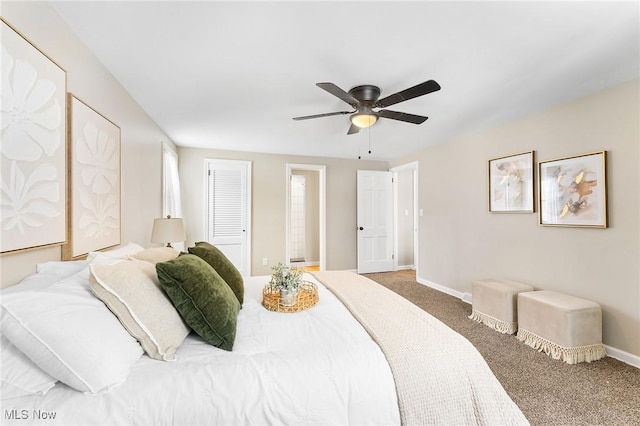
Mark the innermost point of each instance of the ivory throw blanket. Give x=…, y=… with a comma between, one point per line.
x=440, y=377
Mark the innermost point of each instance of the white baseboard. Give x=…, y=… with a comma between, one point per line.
x=620, y=355
x=615, y=353
x=441, y=288
x=301, y=263
x=405, y=267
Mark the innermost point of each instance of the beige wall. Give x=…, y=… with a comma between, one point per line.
x=269, y=203
x=141, y=138
x=460, y=241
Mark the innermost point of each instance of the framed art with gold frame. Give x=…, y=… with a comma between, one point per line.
x=573, y=191
x=94, y=181
x=33, y=148
x=511, y=181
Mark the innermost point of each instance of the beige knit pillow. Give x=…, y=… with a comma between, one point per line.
x=131, y=290
x=155, y=254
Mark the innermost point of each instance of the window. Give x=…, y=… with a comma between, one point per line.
x=171, y=201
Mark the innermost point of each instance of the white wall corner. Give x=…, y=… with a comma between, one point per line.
x=466, y=297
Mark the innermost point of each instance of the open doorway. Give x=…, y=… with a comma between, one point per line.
x=305, y=216
x=406, y=216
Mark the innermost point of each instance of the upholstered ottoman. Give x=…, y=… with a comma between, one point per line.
x=495, y=303
x=564, y=327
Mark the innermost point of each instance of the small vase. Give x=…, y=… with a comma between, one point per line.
x=288, y=297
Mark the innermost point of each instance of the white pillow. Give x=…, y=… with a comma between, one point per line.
x=19, y=375
x=121, y=252
x=132, y=291
x=70, y=334
x=101, y=259
x=35, y=282
x=156, y=254
x=61, y=269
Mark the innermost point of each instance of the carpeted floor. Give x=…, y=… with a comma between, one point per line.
x=549, y=392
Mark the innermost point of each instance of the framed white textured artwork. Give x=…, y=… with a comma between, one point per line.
x=94, y=181
x=573, y=191
x=32, y=146
x=511, y=184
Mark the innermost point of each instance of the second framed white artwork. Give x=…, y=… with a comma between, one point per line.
x=94, y=214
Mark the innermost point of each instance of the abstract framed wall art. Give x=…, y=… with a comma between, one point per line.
x=573, y=191
x=511, y=184
x=32, y=146
x=94, y=175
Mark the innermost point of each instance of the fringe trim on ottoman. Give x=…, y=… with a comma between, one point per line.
x=503, y=327
x=572, y=355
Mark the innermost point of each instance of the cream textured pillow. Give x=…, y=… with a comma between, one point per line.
x=121, y=252
x=132, y=291
x=156, y=254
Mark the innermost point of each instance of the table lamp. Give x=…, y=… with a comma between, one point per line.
x=168, y=230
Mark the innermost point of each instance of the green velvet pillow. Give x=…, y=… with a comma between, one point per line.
x=203, y=299
x=223, y=266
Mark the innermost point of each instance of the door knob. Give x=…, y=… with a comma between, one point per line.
x=361, y=228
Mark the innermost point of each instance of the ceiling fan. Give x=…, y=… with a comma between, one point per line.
x=364, y=99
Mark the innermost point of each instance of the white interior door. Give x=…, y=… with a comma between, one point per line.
x=375, y=221
x=228, y=210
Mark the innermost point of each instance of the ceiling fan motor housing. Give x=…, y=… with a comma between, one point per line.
x=368, y=94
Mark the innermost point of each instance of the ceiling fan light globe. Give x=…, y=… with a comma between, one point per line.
x=363, y=120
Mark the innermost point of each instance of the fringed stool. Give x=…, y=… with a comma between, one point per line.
x=564, y=327
x=495, y=303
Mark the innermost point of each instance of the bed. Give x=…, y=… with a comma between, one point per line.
x=339, y=362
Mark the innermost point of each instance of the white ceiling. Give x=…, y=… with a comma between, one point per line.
x=231, y=75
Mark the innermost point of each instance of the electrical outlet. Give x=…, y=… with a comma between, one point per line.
x=265, y=261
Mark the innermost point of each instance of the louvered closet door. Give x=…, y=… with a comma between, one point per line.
x=228, y=202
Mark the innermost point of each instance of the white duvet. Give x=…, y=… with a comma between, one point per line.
x=313, y=367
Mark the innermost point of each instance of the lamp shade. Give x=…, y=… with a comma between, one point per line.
x=168, y=230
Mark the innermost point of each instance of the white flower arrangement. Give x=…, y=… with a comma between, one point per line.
x=286, y=278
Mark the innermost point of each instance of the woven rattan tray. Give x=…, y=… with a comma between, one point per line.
x=307, y=297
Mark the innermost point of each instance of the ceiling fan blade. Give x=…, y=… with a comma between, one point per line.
x=327, y=114
x=353, y=129
x=410, y=93
x=402, y=116
x=338, y=92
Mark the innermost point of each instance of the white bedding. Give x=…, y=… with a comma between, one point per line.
x=314, y=367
